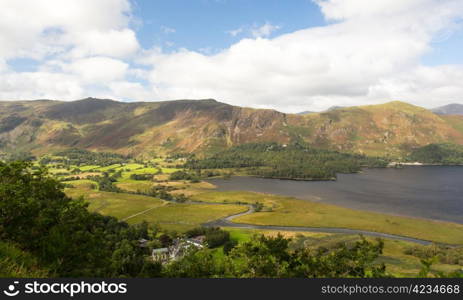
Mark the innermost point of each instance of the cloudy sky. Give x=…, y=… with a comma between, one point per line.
x=288, y=55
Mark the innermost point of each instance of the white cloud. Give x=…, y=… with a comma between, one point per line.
x=114, y=43
x=43, y=27
x=235, y=32
x=132, y=91
x=255, y=30
x=368, y=56
x=96, y=70
x=168, y=30
x=369, y=52
x=78, y=44
x=264, y=30
x=40, y=85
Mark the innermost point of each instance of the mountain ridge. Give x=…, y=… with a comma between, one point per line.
x=207, y=125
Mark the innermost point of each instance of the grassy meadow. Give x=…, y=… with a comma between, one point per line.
x=287, y=211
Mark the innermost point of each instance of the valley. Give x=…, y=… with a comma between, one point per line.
x=205, y=202
x=166, y=169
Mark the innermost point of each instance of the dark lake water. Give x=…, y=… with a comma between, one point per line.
x=434, y=192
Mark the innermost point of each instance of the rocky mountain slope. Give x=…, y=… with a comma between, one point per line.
x=202, y=126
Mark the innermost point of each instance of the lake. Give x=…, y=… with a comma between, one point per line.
x=433, y=192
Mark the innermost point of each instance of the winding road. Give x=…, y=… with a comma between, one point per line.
x=227, y=222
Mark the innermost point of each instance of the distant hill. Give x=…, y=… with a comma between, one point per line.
x=335, y=108
x=450, y=109
x=392, y=128
x=206, y=126
x=305, y=112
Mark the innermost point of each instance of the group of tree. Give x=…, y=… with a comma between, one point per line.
x=60, y=232
x=106, y=182
x=446, y=154
x=294, y=161
x=439, y=253
x=264, y=256
x=182, y=175
x=81, y=157
x=20, y=155
x=141, y=176
x=162, y=192
x=214, y=236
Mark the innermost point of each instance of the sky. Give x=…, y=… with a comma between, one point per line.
x=298, y=55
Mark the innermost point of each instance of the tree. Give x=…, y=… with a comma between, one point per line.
x=36, y=215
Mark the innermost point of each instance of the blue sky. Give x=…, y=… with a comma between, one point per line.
x=288, y=55
x=446, y=49
x=203, y=24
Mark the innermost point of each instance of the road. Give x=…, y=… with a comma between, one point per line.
x=227, y=222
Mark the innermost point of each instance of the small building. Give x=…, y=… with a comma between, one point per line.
x=143, y=243
x=197, y=241
x=179, y=248
x=160, y=255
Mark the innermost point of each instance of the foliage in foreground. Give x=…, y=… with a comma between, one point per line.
x=18, y=264
x=271, y=257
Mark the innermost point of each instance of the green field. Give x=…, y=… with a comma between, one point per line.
x=186, y=216
x=137, y=208
x=288, y=211
x=119, y=205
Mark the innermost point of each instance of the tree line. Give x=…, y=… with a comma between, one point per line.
x=447, y=154
x=294, y=161
x=81, y=157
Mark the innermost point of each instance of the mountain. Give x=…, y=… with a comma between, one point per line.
x=331, y=108
x=139, y=128
x=205, y=126
x=392, y=128
x=305, y=112
x=450, y=109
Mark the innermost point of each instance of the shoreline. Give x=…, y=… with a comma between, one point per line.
x=309, y=193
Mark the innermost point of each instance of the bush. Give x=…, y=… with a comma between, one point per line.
x=181, y=175
x=141, y=176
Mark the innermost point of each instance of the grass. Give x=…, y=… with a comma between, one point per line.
x=186, y=215
x=134, y=185
x=119, y=205
x=292, y=212
x=171, y=216
x=82, y=184
x=169, y=170
x=182, y=187
x=18, y=264
x=87, y=168
x=238, y=197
